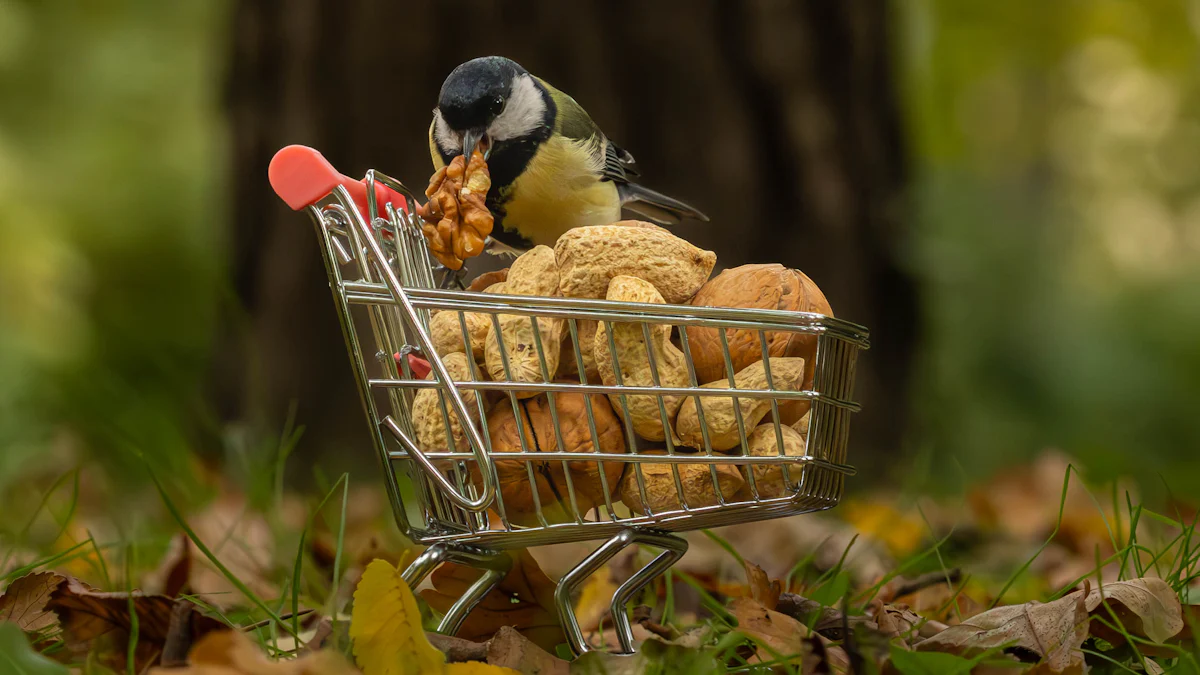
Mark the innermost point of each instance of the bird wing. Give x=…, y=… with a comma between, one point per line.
x=573, y=122
x=618, y=166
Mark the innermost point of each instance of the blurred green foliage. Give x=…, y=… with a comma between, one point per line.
x=1058, y=237
x=111, y=232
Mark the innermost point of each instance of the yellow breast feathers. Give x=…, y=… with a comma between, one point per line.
x=561, y=189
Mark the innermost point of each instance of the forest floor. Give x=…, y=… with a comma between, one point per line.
x=1030, y=570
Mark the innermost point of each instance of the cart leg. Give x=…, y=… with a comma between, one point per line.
x=495, y=566
x=673, y=549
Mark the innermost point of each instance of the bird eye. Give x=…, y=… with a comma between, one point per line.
x=497, y=102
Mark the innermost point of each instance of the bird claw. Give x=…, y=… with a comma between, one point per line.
x=453, y=279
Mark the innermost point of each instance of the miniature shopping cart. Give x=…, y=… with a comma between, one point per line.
x=385, y=288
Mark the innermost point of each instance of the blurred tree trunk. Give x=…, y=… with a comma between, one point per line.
x=779, y=119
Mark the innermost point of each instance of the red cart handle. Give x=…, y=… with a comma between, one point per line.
x=301, y=177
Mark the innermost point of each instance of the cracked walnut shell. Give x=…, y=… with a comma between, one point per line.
x=457, y=221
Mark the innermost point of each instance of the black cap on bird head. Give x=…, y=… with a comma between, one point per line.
x=474, y=94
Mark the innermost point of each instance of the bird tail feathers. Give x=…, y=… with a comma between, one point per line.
x=656, y=206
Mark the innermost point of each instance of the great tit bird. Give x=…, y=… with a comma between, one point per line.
x=552, y=168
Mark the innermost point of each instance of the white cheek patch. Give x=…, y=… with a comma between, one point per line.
x=522, y=114
x=448, y=141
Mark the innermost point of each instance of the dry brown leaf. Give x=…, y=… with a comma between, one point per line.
x=1024, y=502
x=86, y=613
x=1048, y=633
x=93, y=620
x=898, y=621
x=763, y=589
x=510, y=649
x=784, y=636
x=232, y=653
x=524, y=599
x=779, y=632
x=1146, y=607
x=24, y=601
x=241, y=539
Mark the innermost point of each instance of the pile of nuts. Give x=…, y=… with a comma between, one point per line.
x=632, y=262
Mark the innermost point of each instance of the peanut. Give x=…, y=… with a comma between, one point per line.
x=428, y=419
x=633, y=358
x=719, y=411
x=589, y=257
x=661, y=493
x=534, y=273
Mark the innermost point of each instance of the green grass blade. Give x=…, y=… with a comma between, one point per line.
x=1062, y=505
x=230, y=576
x=724, y=543
x=131, y=648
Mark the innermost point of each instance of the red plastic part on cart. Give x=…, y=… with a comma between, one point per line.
x=302, y=176
x=420, y=367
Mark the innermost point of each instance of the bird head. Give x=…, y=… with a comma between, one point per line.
x=486, y=101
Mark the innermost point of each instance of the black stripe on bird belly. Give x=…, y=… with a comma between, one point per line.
x=506, y=162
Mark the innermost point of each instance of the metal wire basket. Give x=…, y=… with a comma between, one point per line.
x=458, y=500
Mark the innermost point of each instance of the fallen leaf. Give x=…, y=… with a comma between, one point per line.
x=39, y=602
x=901, y=532
x=232, y=653
x=24, y=601
x=898, y=621
x=594, y=599
x=386, y=626
x=18, y=656
x=242, y=540
x=86, y=613
x=1145, y=607
x=174, y=572
x=763, y=589
x=524, y=599
x=1047, y=633
x=1025, y=501
x=510, y=649
x=780, y=633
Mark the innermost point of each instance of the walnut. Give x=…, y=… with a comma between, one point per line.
x=549, y=477
x=481, y=283
x=759, y=287
x=457, y=221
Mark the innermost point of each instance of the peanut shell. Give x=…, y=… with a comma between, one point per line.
x=661, y=493
x=567, y=368
x=589, y=257
x=719, y=411
x=446, y=331
x=768, y=478
x=483, y=281
x=534, y=273
x=428, y=420
x=634, y=361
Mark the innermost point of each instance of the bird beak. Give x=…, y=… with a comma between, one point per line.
x=472, y=138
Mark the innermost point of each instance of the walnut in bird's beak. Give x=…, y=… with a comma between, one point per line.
x=476, y=137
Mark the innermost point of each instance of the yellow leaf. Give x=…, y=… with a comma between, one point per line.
x=386, y=626
x=882, y=521
x=477, y=668
x=595, y=598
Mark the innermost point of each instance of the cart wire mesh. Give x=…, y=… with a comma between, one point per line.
x=467, y=488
